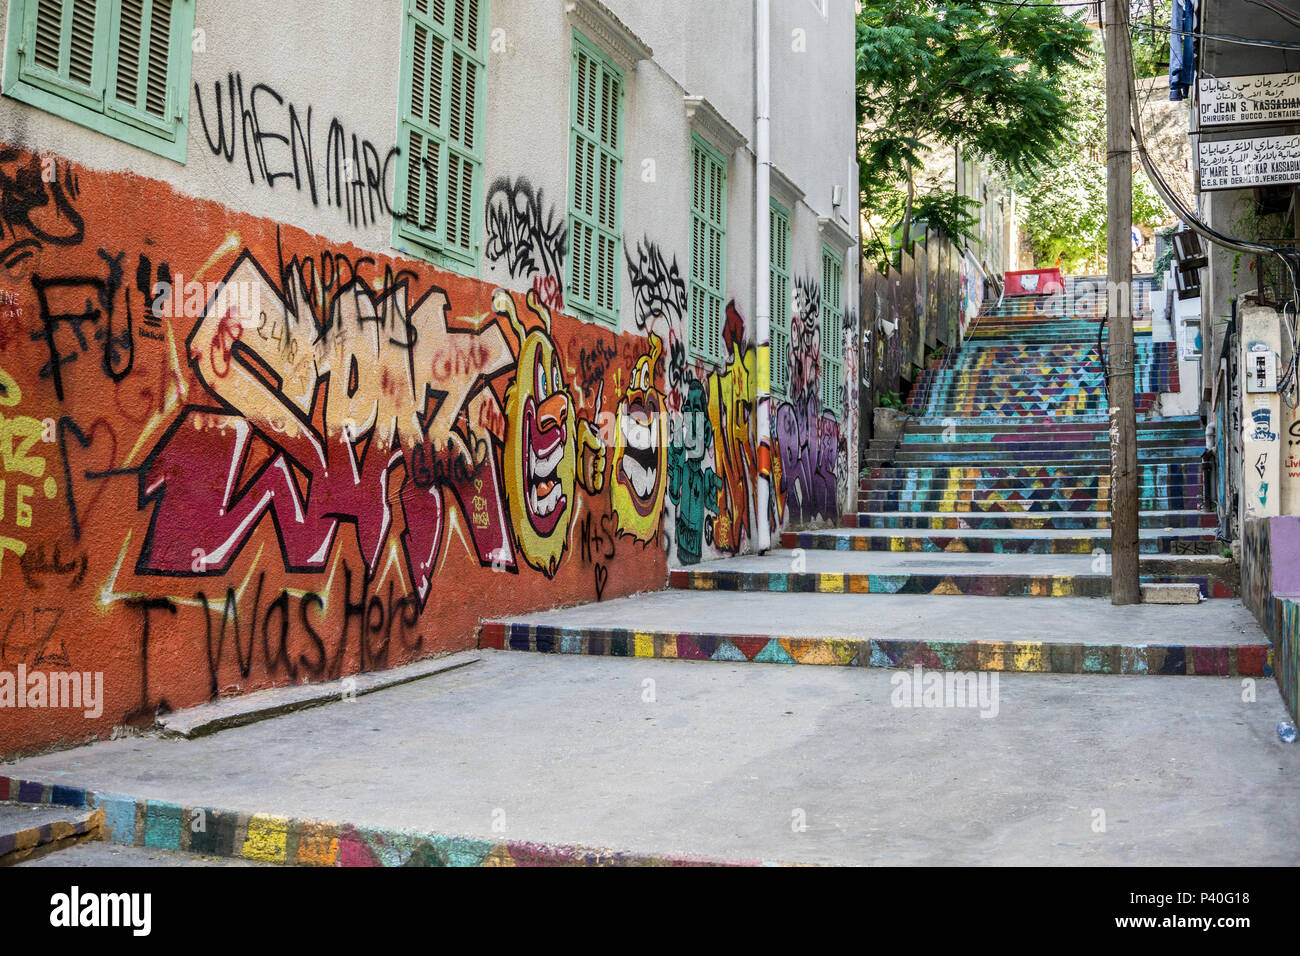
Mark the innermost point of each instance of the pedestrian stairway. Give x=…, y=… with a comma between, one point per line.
x=998, y=491
x=1006, y=452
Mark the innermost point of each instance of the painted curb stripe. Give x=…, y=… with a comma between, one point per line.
x=982, y=585
x=1036, y=657
x=287, y=841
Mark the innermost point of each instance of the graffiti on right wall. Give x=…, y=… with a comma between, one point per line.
x=713, y=455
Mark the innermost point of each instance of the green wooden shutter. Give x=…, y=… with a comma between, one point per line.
x=708, y=250
x=441, y=128
x=121, y=67
x=779, y=258
x=64, y=48
x=140, y=85
x=832, y=322
x=595, y=194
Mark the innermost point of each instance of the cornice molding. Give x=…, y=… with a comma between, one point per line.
x=783, y=190
x=709, y=123
x=600, y=24
x=835, y=234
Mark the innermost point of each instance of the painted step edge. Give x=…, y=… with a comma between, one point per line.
x=31, y=842
x=1231, y=660
x=1019, y=521
x=1006, y=584
x=954, y=542
x=289, y=841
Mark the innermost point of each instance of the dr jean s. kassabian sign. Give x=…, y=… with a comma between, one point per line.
x=1261, y=98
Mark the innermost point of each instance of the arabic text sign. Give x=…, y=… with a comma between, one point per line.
x=1245, y=163
x=1263, y=98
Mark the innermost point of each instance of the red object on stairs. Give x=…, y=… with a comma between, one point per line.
x=1034, y=282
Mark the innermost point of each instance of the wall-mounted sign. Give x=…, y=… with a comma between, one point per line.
x=1246, y=163
x=1263, y=98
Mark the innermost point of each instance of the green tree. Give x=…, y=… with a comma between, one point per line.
x=981, y=77
x=1150, y=20
x=1063, y=204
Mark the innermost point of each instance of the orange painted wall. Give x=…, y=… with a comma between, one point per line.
x=121, y=506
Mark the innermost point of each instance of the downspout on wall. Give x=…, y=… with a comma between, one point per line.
x=762, y=263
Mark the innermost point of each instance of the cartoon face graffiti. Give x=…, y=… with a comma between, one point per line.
x=692, y=485
x=548, y=450
x=639, y=467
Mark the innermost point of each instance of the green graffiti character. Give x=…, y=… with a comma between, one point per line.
x=692, y=487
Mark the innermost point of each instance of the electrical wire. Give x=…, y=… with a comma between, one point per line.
x=1287, y=14
x=1289, y=384
x=1222, y=37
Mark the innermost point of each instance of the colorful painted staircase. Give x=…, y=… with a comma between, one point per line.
x=1006, y=453
x=999, y=489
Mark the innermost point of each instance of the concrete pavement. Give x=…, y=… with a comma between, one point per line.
x=727, y=761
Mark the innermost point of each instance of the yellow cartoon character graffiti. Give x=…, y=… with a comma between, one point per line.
x=548, y=449
x=639, y=467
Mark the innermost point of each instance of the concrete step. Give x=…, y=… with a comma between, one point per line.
x=999, y=541
x=254, y=827
x=1043, y=425
x=945, y=479
x=1170, y=594
x=1016, y=408
x=1037, y=457
x=1069, y=636
x=1003, y=575
x=662, y=756
x=1028, y=337
x=1039, y=354
x=1044, y=458
x=32, y=826
x=952, y=469
x=950, y=520
x=1051, y=505
x=961, y=440
x=959, y=390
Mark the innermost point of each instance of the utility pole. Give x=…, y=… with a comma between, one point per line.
x=1119, y=267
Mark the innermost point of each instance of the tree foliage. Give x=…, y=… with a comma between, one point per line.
x=1063, y=205
x=983, y=78
x=1151, y=22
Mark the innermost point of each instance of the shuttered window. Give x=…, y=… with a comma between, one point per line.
x=595, y=183
x=119, y=66
x=708, y=250
x=440, y=135
x=832, y=320
x=779, y=259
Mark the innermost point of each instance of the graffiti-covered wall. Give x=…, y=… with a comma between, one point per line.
x=924, y=302
x=249, y=437
x=237, y=455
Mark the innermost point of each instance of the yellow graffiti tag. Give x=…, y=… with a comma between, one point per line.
x=17, y=436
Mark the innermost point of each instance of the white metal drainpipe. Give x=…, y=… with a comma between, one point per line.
x=762, y=262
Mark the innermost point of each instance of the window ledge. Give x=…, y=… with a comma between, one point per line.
x=174, y=149
x=598, y=22
x=709, y=123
